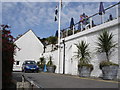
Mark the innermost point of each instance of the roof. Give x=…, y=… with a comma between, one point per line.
x=25, y=33
x=22, y=35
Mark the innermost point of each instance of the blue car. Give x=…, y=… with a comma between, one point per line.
x=30, y=66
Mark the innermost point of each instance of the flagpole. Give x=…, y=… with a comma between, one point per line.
x=59, y=34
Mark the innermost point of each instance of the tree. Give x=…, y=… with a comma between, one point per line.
x=52, y=40
x=44, y=42
x=106, y=44
x=8, y=48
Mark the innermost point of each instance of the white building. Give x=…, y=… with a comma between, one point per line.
x=90, y=36
x=29, y=48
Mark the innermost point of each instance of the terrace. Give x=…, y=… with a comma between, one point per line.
x=111, y=14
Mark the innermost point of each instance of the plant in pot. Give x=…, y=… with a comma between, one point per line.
x=83, y=54
x=41, y=63
x=106, y=45
x=50, y=66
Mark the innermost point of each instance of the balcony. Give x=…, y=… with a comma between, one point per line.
x=96, y=22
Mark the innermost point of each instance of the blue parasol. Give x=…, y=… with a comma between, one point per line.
x=101, y=10
x=71, y=23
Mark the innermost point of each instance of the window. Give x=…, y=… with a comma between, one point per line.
x=17, y=62
x=30, y=62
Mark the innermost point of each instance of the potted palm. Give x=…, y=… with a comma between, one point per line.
x=41, y=63
x=83, y=54
x=50, y=66
x=107, y=46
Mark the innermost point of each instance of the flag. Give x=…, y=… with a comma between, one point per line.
x=101, y=9
x=56, y=10
x=56, y=13
x=101, y=12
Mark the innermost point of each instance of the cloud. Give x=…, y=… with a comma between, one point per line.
x=75, y=11
x=58, y=0
x=0, y=13
x=27, y=13
x=89, y=8
x=40, y=15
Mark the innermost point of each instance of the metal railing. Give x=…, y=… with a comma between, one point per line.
x=94, y=20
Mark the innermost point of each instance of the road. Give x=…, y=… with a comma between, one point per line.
x=50, y=80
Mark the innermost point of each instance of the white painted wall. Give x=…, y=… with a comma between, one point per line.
x=31, y=49
x=49, y=48
x=90, y=36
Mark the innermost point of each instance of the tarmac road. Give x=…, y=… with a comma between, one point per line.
x=50, y=80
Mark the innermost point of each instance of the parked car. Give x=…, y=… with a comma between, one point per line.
x=30, y=66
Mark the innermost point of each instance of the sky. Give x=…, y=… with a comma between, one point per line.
x=39, y=16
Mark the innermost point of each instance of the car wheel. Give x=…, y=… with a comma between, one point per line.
x=37, y=71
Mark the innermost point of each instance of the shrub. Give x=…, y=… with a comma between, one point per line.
x=83, y=53
x=50, y=63
x=8, y=48
x=105, y=44
x=42, y=62
x=106, y=63
x=80, y=65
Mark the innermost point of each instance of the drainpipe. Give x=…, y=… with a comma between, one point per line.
x=64, y=57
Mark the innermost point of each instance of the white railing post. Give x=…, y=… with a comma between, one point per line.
x=103, y=18
x=91, y=22
x=66, y=32
x=73, y=29
x=81, y=26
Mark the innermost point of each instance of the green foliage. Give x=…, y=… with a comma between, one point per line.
x=43, y=40
x=106, y=63
x=70, y=32
x=49, y=40
x=41, y=66
x=106, y=44
x=50, y=63
x=76, y=31
x=85, y=64
x=42, y=62
x=52, y=40
x=83, y=53
x=8, y=50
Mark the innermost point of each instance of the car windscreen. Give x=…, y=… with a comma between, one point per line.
x=30, y=62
